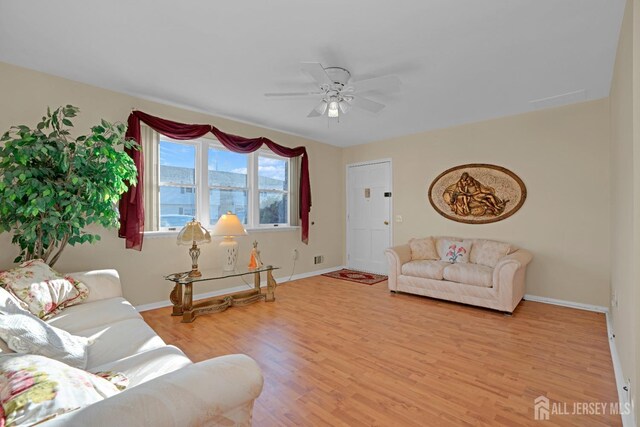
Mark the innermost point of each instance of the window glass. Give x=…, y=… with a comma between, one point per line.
x=273, y=207
x=273, y=174
x=177, y=163
x=221, y=201
x=177, y=206
x=227, y=169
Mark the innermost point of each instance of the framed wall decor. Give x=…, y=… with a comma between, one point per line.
x=477, y=193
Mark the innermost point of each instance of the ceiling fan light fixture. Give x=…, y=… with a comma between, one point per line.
x=322, y=107
x=344, y=106
x=333, y=109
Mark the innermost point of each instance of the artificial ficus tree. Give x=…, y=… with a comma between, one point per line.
x=53, y=186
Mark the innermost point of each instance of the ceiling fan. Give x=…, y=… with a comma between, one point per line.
x=338, y=93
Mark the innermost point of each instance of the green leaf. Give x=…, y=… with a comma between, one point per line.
x=41, y=175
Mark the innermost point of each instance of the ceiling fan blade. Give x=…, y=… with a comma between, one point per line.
x=293, y=93
x=386, y=83
x=319, y=110
x=316, y=70
x=367, y=104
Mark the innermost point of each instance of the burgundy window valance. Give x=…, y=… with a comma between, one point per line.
x=132, y=202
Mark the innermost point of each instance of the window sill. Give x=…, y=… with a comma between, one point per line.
x=174, y=234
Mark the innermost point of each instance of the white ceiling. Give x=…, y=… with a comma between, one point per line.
x=459, y=61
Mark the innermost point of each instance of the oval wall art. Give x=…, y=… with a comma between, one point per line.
x=477, y=193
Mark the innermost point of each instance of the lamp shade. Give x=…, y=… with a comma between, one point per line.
x=229, y=225
x=193, y=232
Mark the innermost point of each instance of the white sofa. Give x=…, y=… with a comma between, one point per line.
x=165, y=387
x=499, y=288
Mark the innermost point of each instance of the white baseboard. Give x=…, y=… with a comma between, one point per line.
x=238, y=288
x=563, y=303
x=627, y=419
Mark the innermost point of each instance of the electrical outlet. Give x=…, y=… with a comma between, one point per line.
x=294, y=254
x=627, y=391
x=318, y=259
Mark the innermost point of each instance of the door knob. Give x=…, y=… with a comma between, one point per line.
x=386, y=223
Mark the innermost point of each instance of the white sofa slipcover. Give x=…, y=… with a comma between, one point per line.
x=165, y=387
x=499, y=288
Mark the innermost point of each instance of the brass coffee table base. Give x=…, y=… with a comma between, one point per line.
x=184, y=306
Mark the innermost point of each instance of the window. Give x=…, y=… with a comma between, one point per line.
x=201, y=179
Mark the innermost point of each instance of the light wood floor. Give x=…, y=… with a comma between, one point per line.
x=339, y=353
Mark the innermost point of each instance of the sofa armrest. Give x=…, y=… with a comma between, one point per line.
x=508, y=278
x=397, y=256
x=217, y=391
x=102, y=284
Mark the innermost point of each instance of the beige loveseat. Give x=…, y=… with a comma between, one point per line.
x=165, y=387
x=499, y=287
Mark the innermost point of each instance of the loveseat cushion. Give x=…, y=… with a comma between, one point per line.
x=93, y=314
x=425, y=268
x=424, y=248
x=469, y=274
x=118, y=340
x=488, y=252
x=146, y=366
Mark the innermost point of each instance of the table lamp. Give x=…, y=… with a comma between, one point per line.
x=229, y=226
x=192, y=234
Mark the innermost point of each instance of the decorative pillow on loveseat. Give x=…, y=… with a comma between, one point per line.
x=488, y=252
x=42, y=290
x=34, y=389
x=456, y=252
x=423, y=249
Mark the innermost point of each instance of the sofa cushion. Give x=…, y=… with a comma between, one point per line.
x=456, y=252
x=488, y=252
x=423, y=249
x=42, y=290
x=425, y=268
x=94, y=314
x=118, y=340
x=469, y=274
x=35, y=389
x=146, y=366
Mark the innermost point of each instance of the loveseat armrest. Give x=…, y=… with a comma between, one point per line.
x=214, y=392
x=102, y=284
x=397, y=256
x=508, y=278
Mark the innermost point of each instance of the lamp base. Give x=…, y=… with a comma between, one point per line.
x=230, y=253
x=194, y=253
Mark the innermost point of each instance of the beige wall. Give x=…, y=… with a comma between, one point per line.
x=625, y=210
x=561, y=155
x=26, y=94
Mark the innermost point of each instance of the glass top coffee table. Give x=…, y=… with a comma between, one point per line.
x=184, y=306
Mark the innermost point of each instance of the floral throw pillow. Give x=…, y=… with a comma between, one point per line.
x=456, y=252
x=42, y=290
x=34, y=389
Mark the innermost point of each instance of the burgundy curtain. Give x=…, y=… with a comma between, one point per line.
x=132, y=202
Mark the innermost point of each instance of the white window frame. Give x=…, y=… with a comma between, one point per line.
x=195, y=185
x=202, y=187
x=255, y=195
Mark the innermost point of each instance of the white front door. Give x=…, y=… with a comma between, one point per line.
x=368, y=215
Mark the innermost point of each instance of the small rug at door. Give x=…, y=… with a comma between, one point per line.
x=356, y=276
